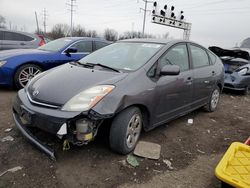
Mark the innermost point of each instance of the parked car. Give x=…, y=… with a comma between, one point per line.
x=137, y=84
x=17, y=39
x=18, y=66
x=237, y=67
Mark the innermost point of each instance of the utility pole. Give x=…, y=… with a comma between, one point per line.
x=37, y=25
x=45, y=15
x=145, y=11
x=72, y=5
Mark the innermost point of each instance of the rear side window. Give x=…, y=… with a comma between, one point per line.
x=212, y=57
x=16, y=36
x=99, y=45
x=83, y=46
x=199, y=56
x=177, y=55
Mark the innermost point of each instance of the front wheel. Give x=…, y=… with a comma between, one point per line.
x=24, y=74
x=213, y=100
x=125, y=130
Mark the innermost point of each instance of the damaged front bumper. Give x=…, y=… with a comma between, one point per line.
x=77, y=128
x=235, y=82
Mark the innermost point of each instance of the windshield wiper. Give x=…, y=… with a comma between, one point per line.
x=99, y=64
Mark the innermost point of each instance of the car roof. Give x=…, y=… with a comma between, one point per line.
x=151, y=40
x=86, y=38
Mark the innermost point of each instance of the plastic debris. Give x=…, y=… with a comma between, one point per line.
x=190, y=121
x=202, y=152
x=168, y=163
x=148, y=150
x=7, y=130
x=132, y=161
x=7, y=138
x=66, y=145
x=12, y=170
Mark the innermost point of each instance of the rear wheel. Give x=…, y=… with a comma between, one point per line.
x=125, y=130
x=25, y=73
x=213, y=100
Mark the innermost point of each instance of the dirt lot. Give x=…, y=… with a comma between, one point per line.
x=194, y=151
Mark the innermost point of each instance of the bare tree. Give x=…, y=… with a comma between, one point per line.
x=58, y=31
x=110, y=34
x=91, y=33
x=79, y=31
x=134, y=34
x=2, y=22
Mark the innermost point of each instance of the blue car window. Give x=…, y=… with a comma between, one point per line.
x=83, y=46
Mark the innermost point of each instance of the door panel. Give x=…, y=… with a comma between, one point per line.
x=203, y=75
x=174, y=93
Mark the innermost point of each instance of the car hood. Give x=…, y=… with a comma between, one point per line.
x=59, y=85
x=5, y=54
x=236, y=53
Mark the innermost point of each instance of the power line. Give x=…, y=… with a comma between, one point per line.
x=144, y=17
x=72, y=5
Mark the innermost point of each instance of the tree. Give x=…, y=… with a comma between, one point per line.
x=79, y=31
x=2, y=22
x=110, y=34
x=59, y=31
x=91, y=33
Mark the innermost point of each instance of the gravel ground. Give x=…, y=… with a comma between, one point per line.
x=194, y=151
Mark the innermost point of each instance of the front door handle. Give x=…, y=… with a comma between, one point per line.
x=189, y=80
x=213, y=73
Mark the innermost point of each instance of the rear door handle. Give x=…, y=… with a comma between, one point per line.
x=213, y=73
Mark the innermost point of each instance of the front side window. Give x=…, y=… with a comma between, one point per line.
x=83, y=46
x=123, y=55
x=16, y=36
x=99, y=45
x=199, y=57
x=177, y=55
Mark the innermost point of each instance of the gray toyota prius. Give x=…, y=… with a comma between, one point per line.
x=135, y=84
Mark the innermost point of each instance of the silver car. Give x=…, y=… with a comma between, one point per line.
x=16, y=39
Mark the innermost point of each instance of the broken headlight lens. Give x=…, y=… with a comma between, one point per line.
x=243, y=71
x=88, y=98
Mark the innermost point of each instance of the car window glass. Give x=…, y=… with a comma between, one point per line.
x=177, y=55
x=212, y=57
x=127, y=56
x=16, y=36
x=199, y=57
x=1, y=35
x=55, y=45
x=99, y=45
x=83, y=46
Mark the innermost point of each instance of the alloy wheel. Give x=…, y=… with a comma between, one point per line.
x=27, y=74
x=133, y=130
x=215, y=98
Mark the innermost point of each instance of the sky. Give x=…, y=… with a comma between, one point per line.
x=223, y=23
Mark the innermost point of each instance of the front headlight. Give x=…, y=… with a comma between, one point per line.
x=88, y=98
x=243, y=71
x=2, y=63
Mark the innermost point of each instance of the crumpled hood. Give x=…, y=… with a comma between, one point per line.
x=5, y=54
x=236, y=52
x=60, y=84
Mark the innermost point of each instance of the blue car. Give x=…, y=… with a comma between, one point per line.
x=18, y=66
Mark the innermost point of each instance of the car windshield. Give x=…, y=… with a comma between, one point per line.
x=245, y=43
x=55, y=45
x=123, y=55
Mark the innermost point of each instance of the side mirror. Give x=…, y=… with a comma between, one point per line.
x=170, y=70
x=71, y=50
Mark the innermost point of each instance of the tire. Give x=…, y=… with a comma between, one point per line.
x=125, y=130
x=24, y=74
x=213, y=100
x=247, y=91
